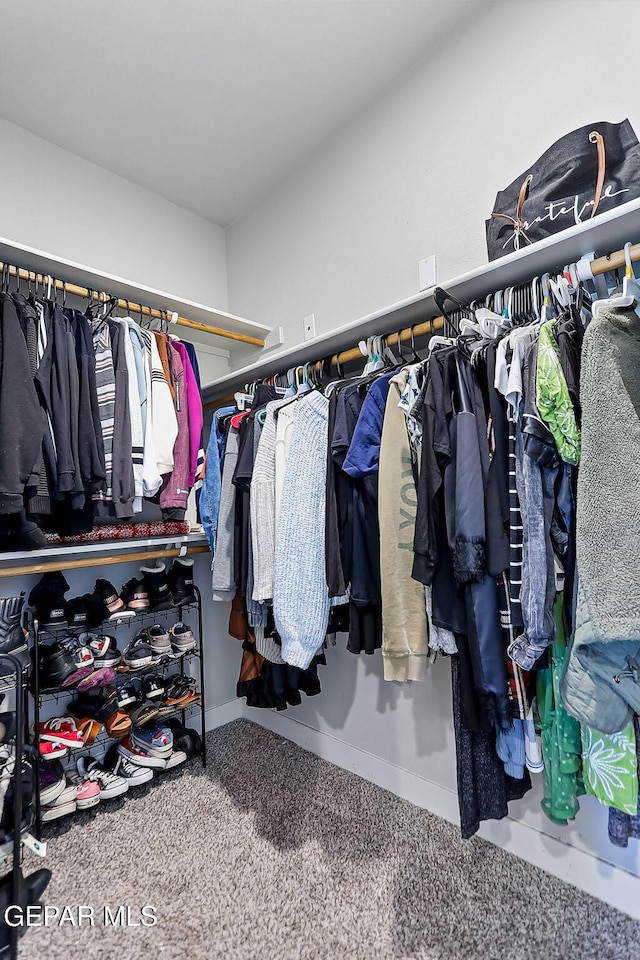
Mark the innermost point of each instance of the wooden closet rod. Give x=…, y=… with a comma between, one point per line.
x=55, y=565
x=128, y=305
x=611, y=261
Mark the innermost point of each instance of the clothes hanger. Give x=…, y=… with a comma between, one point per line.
x=619, y=303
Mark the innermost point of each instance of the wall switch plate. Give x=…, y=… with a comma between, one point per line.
x=310, y=326
x=426, y=273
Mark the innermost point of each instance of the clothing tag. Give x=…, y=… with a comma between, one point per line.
x=38, y=846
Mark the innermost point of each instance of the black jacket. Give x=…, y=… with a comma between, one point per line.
x=20, y=416
x=90, y=443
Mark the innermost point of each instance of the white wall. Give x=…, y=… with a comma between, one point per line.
x=64, y=205
x=59, y=203
x=418, y=175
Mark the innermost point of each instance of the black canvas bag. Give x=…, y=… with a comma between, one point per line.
x=586, y=172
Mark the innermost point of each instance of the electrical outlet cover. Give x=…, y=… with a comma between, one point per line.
x=310, y=326
x=426, y=273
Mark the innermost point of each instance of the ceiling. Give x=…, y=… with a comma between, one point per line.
x=209, y=103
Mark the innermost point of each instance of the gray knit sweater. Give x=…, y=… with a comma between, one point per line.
x=300, y=595
x=598, y=687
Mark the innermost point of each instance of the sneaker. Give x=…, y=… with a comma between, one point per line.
x=52, y=782
x=160, y=640
x=181, y=581
x=177, y=757
x=66, y=795
x=60, y=730
x=153, y=687
x=120, y=766
x=82, y=655
x=126, y=695
x=56, y=811
x=52, y=751
x=139, y=653
x=135, y=595
x=138, y=756
x=185, y=738
x=78, y=611
x=87, y=791
x=48, y=599
x=111, y=785
x=155, y=580
x=113, y=604
x=182, y=639
x=104, y=648
x=155, y=738
x=57, y=667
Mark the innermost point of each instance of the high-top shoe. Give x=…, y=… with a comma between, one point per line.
x=48, y=599
x=181, y=581
x=155, y=580
x=135, y=595
x=13, y=639
x=114, y=607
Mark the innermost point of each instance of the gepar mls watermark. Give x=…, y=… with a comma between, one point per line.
x=80, y=916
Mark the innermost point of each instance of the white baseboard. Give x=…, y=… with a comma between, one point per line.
x=223, y=713
x=587, y=872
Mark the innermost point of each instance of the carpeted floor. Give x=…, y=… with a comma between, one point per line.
x=274, y=854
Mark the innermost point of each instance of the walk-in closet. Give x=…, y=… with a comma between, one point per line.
x=319, y=480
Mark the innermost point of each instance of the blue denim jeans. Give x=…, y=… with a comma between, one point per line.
x=535, y=485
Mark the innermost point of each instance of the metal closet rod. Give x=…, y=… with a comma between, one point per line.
x=49, y=566
x=151, y=312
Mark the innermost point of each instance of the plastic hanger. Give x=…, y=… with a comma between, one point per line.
x=630, y=290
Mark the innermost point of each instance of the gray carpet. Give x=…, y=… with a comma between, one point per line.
x=274, y=854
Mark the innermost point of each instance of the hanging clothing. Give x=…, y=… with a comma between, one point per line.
x=300, y=598
x=600, y=685
x=404, y=625
x=19, y=447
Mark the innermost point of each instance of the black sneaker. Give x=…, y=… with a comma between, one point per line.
x=104, y=648
x=126, y=695
x=122, y=767
x=155, y=580
x=153, y=687
x=48, y=599
x=78, y=611
x=139, y=653
x=181, y=581
x=56, y=666
x=135, y=595
x=112, y=603
x=184, y=738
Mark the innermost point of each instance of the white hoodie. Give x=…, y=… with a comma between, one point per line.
x=164, y=423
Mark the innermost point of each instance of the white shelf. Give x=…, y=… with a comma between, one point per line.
x=29, y=258
x=66, y=552
x=605, y=233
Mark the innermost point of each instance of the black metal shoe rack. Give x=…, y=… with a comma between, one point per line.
x=15, y=680
x=162, y=665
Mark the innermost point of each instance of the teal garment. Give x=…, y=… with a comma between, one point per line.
x=562, y=781
x=611, y=767
x=552, y=397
